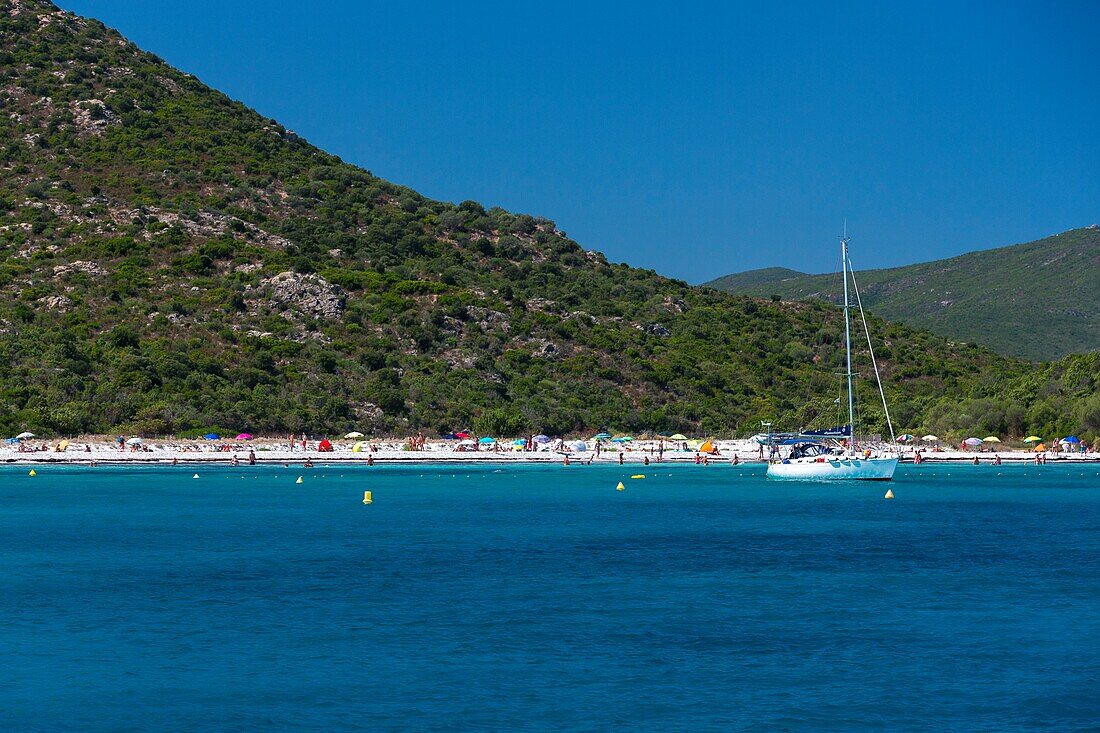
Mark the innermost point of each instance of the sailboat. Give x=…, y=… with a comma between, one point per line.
x=810, y=457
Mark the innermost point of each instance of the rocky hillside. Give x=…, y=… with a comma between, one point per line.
x=1039, y=300
x=173, y=261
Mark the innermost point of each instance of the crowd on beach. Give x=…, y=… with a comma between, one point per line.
x=94, y=449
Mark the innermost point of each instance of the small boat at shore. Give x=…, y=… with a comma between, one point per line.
x=834, y=453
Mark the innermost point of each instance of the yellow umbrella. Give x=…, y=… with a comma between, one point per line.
x=991, y=439
x=1033, y=439
x=1040, y=448
x=358, y=447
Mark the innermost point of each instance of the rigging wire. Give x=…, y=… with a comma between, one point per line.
x=871, y=349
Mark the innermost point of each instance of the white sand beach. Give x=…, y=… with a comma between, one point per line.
x=105, y=450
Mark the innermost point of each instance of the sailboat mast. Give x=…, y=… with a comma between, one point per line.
x=848, y=343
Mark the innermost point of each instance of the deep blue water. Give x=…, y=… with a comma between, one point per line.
x=539, y=598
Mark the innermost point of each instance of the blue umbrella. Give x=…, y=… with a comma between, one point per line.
x=602, y=436
x=487, y=440
x=12, y=441
x=1070, y=439
x=212, y=436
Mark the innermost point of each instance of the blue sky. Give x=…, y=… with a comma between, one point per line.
x=692, y=138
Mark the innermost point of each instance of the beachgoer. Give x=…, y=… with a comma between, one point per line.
x=251, y=457
x=620, y=458
x=646, y=460
x=565, y=460
x=370, y=459
x=308, y=463
x=975, y=460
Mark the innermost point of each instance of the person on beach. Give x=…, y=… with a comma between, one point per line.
x=234, y=461
x=308, y=463
x=565, y=460
x=620, y=458
x=735, y=460
x=251, y=457
x=975, y=460
x=645, y=460
x=996, y=460
x=370, y=459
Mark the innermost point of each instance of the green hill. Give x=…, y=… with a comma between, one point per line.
x=1039, y=300
x=170, y=260
x=740, y=280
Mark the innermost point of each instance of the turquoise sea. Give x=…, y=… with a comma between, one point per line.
x=540, y=598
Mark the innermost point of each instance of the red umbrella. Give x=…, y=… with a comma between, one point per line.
x=462, y=436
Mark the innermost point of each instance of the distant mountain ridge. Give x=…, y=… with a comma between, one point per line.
x=1039, y=300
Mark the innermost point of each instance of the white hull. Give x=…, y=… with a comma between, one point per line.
x=837, y=468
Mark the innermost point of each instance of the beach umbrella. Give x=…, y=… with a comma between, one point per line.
x=244, y=436
x=467, y=442
x=992, y=439
x=352, y=434
x=12, y=441
x=211, y=436
x=678, y=436
x=973, y=441
x=1071, y=440
x=133, y=441
x=24, y=435
x=444, y=436
x=579, y=446
x=905, y=438
x=519, y=441
x=487, y=440
x=601, y=436
x=358, y=447
x=1033, y=439
x=625, y=439
x=462, y=436
x=63, y=445
x=542, y=438
x=1040, y=448
x=930, y=438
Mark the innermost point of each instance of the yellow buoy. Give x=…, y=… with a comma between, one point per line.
x=367, y=497
x=33, y=473
x=889, y=494
x=299, y=481
x=620, y=487
x=638, y=475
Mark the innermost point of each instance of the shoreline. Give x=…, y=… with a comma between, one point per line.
x=169, y=456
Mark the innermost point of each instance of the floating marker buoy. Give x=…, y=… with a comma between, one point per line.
x=33, y=473
x=299, y=481
x=195, y=476
x=620, y=487
x=889, y=494
x=638, y=475
x=367, y=497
